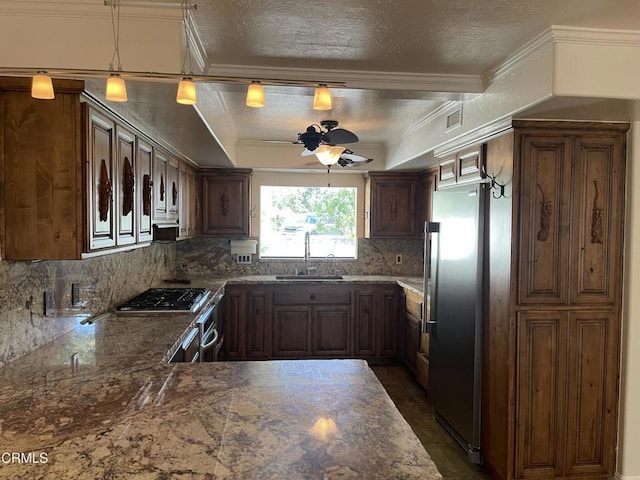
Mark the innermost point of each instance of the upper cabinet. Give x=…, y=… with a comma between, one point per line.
x=43, y=172
x=144, y=189
x=464, y=166
x=78, y=180
x=188, y=201
x=571, y=211
x=226, y=202
x=165, y=186
x=391, y=205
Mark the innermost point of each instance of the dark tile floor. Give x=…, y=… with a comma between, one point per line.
x=411, y=399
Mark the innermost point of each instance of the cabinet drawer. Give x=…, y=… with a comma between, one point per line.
x=311, y=297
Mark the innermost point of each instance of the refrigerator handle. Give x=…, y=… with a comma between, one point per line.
x=431, y=230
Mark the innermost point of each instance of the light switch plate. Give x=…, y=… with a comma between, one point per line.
x=48, y=303
x=75, y=294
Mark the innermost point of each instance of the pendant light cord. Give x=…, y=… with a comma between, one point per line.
x=115, y=26
x=187, y=48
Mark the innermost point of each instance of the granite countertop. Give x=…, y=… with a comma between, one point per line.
x=101, y=402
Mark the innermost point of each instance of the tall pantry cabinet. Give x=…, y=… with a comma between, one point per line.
x=552, y=315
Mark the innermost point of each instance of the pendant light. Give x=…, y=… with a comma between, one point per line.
x=186, y=94
x=322, y=98
x=42, y=86
x=255, y=95
x=116, y=88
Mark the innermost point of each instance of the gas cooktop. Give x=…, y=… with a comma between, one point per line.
x=166, y=300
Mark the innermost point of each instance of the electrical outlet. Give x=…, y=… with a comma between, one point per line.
x=398, y=259
x=48, y=303
x=243, y=258
x=75, y=294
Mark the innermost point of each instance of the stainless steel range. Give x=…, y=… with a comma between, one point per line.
x=157, y=300
x=203, y=341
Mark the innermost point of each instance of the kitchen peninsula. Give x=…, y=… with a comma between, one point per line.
x=101, y=401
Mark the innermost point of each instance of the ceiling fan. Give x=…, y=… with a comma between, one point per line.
x=324, y=141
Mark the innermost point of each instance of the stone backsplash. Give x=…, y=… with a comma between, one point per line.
x=103, y=282
x=211, y=256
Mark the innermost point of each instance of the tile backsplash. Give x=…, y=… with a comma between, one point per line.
x=106, y=281
x=103, y=283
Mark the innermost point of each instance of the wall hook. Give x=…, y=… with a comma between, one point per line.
x=493, y=184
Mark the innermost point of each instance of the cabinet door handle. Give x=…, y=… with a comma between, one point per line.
x=312, y=296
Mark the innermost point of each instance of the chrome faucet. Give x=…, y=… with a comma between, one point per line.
x=307, y=254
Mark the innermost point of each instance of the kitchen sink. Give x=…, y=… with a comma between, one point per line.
x=308, y=277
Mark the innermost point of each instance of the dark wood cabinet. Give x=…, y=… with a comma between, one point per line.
x=311, y=320
x=226, y=202
x=144, y=189
x=125, y=204
x=258, y=328
x=391, y=205
x=552, y=325
x=101, y=180
x=166, y=192
x=366, y=322
x=234, y=325
x=332, y=325
x=388, y=321
x=292, y=329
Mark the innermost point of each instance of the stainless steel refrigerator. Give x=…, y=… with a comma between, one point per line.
x=453, y=269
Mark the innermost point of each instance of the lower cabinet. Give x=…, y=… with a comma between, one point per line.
x=566, y=384
x=292, y=331
x=311, y=320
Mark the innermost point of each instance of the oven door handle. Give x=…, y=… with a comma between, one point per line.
x=214, y=340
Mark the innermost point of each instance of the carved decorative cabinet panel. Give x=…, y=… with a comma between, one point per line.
x=392, y=205
x=552, y=336
x=225, y=202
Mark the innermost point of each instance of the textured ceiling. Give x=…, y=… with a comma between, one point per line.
x=365, y=39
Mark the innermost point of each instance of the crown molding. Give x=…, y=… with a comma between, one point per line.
x=84, y=9
x=559, y=34
x=595, y=36
x=367, y=80
x=520, y=56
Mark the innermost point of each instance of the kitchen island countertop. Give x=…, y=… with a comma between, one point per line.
x=101, y=402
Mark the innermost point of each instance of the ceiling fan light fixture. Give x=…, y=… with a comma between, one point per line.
x=116, y=88
x=186, y=91
x=322, y=98
x=329, y=155
x=255, y=95
x=42, y=86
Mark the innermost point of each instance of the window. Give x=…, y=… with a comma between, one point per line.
x=327, y=214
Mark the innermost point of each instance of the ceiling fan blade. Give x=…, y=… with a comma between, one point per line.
x=339, y=136
x=354, y=158
x=345, y=162
x=307, y=153
x=288, y=142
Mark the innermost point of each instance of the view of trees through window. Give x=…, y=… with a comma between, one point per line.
x=327, y=213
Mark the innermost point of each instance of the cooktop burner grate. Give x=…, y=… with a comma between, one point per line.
x=165, y=300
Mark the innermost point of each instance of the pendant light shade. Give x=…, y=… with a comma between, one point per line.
x=329, y=155
x=255, y=95
x=116, y=89
x=186, y=92
x=322, y=98
x=42, y=86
